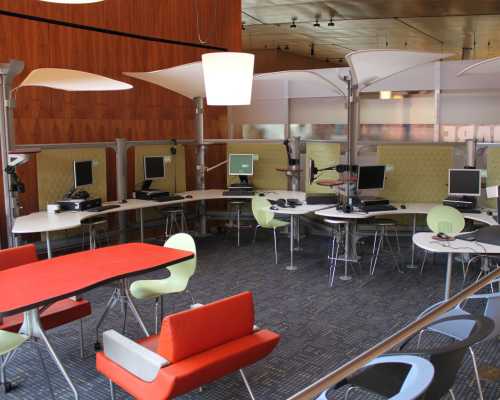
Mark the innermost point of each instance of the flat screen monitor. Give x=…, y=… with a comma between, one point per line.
x=154, y=167
x=371, y=177
x=241, y=164
x=82, y=172
x=464, y=182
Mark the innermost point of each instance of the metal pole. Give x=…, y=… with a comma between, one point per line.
x=200, y=162
x=295, y=155
x=121, y=184
x=470, y=147
x=7, y=74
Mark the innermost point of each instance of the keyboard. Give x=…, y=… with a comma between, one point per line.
x=377, y=207
x=162, y=199
x=470, y=211
x=103, y=208
x=242, y=193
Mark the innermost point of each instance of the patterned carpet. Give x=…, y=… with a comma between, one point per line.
x=321, y=328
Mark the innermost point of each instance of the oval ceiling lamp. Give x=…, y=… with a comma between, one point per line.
x=72, y=1
x=228, y=78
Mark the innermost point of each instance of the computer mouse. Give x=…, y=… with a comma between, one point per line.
x=188, y=196
x=489, y=212
x=123, y=201
x=403, y=206
x=275, y=208
x=262, y=194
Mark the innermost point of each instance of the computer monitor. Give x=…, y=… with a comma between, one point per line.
x=371, y=177
x=241, y=164
x=464, y=182
x=82, y=172
x=154, y=167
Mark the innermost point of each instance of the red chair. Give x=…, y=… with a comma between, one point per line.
x=194, y=347
x=57, y=314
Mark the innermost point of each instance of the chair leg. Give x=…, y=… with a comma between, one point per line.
x=247, y=385
x=372, y=265
x=423, y=262
x=476, y=373
x=275, y=247
x=157, y=316
x=82, y=344
x=111, y=390
x=44, y=369
x=452, y=395
x=255, y=233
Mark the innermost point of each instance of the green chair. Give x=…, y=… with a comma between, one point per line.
x=8, y=343
x=265, y=219
x=177, y=282
x=445, y=220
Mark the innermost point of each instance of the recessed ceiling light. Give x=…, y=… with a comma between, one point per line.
x=293, y=22
x=72, y=1
x=331, y=23
x=316, y=23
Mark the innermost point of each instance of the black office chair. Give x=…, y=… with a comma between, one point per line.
x=386, y=379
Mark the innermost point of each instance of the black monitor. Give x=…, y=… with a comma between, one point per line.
x=371, y=177
x=154, y=167
x=82, y=172
x=464, y=182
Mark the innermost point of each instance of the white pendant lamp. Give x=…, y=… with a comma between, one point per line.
x=72, y=1
x=228, y=78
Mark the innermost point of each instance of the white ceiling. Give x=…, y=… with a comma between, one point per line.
x=468, y=28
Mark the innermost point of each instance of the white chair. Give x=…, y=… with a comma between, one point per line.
x=461, y=329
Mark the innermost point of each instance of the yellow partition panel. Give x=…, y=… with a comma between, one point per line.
x=55, y=173
x=324, y=155
x=420, y=172
x=271, y=157
x=493, y=169
x=175, y=176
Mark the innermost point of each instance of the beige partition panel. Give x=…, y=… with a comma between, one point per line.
x=175, y=180
x=55, y=173
x=493, y=168
x=420, y=172
x=324, y=155
x=271, y=157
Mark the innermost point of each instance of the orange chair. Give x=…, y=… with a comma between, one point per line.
x=194, y=347
x=57, y=314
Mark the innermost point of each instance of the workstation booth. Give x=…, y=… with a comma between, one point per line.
x=338, y=239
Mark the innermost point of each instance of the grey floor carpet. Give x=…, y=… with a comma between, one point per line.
x=321, y=327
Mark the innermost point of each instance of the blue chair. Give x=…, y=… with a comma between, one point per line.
x=404, y=377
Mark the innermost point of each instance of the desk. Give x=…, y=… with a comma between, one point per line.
x=72, y=274
x=295, y=214
x=425, y=241
x=45, y=223
x=411, y=208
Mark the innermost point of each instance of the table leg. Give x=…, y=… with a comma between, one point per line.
x=141, y=218
x=47, y=241
x=297, y=234
x=412, y=263
x=347, y=253
x=32, y=327
x=238, y=222
x=447, y=284
x=292, y=267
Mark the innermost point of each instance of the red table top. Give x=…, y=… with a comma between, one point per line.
x=43, y=282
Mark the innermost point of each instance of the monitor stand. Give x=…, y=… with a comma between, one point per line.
x=243, y=185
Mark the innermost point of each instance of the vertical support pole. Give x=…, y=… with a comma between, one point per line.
x=295, y=155
x=121, y=184
x=200, y=162
x=470, y=153
x=7, y=74
x=437, y=101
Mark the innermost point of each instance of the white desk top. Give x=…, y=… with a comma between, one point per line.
x=425, y=241
x=44, y=222
x=411, y=208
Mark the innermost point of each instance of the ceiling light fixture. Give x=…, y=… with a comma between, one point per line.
x=331, y=23
x=72, y=1
x=228, y=78
x=293, y=22
x=316, y=23
x=385, y=95
x=243, y=26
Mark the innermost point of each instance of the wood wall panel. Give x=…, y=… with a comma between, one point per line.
x=146, y=112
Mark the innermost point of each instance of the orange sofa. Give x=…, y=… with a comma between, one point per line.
x=198, y=346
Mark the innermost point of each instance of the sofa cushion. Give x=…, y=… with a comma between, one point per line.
x=196, y=330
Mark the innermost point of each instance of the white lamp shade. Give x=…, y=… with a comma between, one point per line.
x=228, y=78
x=72, y=1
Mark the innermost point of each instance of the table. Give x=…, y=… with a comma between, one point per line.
x=37, y=284
x=295, y=214
x=410, y=208
x=425, y=241
x=45, y=223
